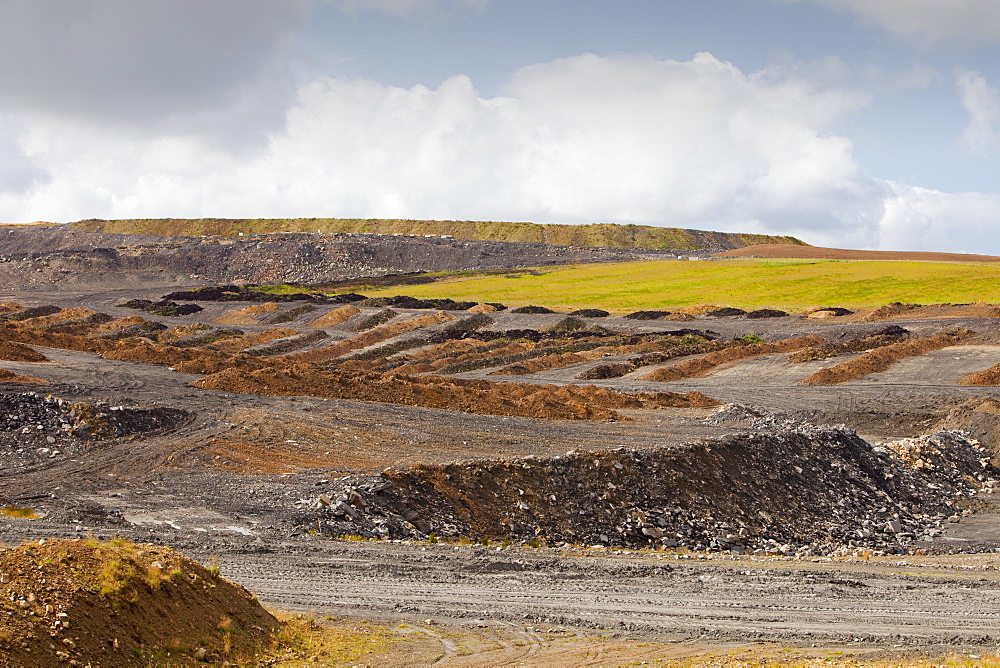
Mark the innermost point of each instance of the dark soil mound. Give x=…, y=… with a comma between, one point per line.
x=647, y=315
x=765, y=313
x=727, y=312
x=589, y=313
x=530, y=309
x=35, y=312
x=118, y=604
x=163, y=307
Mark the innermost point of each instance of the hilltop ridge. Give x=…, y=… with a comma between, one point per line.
x=596, y=235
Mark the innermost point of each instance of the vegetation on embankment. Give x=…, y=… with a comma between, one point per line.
x=593, y=235
x=664, y=284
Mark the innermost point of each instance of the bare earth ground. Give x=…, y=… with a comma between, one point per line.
x=223, y=482
x=820, y=253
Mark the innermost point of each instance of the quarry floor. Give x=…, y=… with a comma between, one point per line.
x=201, y=490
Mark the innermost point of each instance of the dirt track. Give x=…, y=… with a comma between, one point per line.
x=225, y=482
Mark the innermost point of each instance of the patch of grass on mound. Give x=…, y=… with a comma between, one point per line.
x=749, y=284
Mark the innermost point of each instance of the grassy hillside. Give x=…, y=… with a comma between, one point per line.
x=603, y=234
x=786, y=284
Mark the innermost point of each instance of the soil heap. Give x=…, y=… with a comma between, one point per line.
x=84, y=602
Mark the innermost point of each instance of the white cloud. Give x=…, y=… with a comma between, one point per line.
x=927, y=21
x=408, y=8
x=697, y=143
x=982, y=101
x=927, y=219
x=177, y=65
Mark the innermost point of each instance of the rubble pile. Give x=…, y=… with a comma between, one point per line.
x=36, y=428
x=790, y=488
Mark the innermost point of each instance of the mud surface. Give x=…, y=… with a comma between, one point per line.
x=769, y=510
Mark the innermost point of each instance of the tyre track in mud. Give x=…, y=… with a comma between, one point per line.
x=740, y=602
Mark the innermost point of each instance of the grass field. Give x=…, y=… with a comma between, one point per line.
x=786, y=284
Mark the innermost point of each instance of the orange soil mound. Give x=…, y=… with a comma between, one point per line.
x=989, y=376
x=245, y=316
x=18, y=352
x=235, y=344
x=75, y=313
x=369, y=338
x=556, y=361
x=116, y=604
x=483, y=308
x=119, y=324
x=702, y=365
x=335, y=317
x=882, y=358
x=10, y=307
x=11, y=377
x=476, y=396
x=818, y=253
x=494, y=350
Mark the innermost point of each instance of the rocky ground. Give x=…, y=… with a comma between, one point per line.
x=730, y=503
x=60, y=257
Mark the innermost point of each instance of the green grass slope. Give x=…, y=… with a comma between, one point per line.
x=601, y=234
x=787, y=284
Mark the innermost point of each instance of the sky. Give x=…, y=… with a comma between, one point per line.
x=847, y=123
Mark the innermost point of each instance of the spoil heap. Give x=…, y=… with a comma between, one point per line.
x=790, y=488
x=115, y=604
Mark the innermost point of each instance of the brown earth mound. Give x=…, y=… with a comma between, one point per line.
x=10, y=307
x=555, y=361
x=985, y=377
x=703, y=365
x=18, y=352
x=120, y=324
x=818, y=253
x=888, y=336
x=477, y=396
x=65, y=315
x=11, y=377
x=882, y=358
x=118, y=604
x=335, y=317
x=235, y=344
x=369, y=338
x=915, y=311
x=246, y=316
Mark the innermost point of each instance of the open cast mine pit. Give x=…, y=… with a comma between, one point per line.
x=722, y=477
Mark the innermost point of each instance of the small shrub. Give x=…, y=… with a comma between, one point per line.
x=17, y=511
